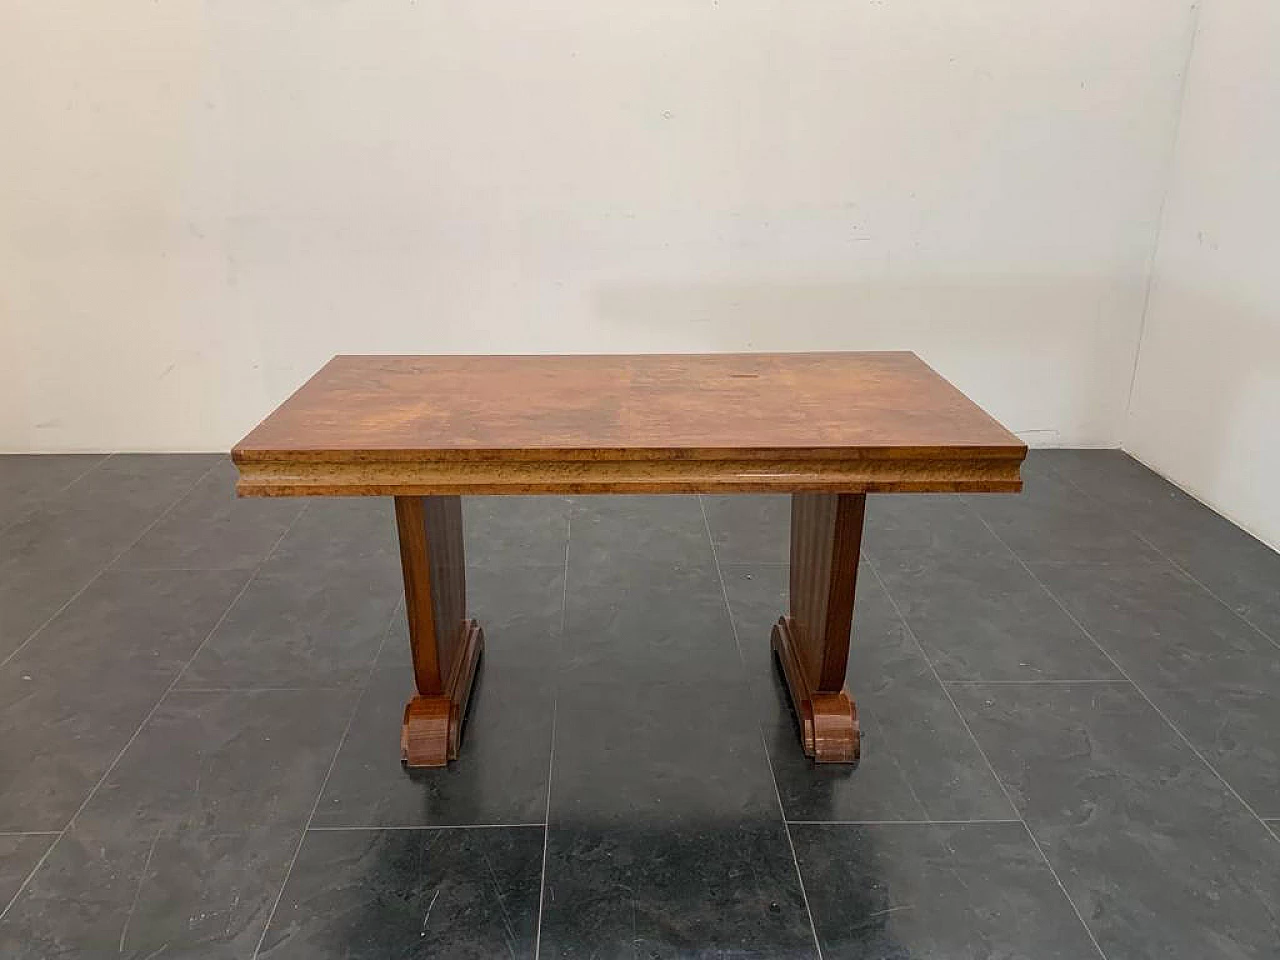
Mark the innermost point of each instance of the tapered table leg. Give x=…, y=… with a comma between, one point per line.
x=813, y=642
x=446, y=644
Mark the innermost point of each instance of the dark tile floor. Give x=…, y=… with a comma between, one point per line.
x=1070, y=703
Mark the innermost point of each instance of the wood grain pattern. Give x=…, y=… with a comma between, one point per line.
x=852, y=422
x=881, y=475
x=445, y=644
x=813, y=642
x=826, y=536
x=431, y=733
x=829, y=731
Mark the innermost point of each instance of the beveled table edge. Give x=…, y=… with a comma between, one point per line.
x=242, y=454
x=429, y=475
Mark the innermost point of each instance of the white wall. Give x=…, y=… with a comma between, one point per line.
x=1206, y=402
x=201, y=201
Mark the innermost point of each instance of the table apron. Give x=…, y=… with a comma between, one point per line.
x=267, y=478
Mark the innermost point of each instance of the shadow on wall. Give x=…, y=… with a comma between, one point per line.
x=1052, y=359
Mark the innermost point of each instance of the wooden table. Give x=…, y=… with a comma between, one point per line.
x=828, y=428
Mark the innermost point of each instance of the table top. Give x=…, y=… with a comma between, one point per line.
x=627, y=423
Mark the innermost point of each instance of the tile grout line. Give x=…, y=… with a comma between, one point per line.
x=564, y=595
x=109, y=564
x=724, y=592
x=1205, y=587
x=987, y=760
x=253, y=575
x=546, y=838
x=786, y=828
x=423, y=827
x=56, y=493
x=101, y=460
x=1030, y=683
x=551, y=756
x=764, y=743
x=28, y=833
x=742, y=656
x=1142, y=693
x=889, y=823
x=179, y=569
x=318, y=689
x=145, y=720
x=333, y=762
x=137, y=893
x=1164, y=556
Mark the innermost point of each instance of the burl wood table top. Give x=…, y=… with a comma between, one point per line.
x=419, y=425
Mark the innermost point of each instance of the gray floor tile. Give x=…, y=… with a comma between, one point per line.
x=677, y=752
x=657, y=529
x=986, y=618
x=722, y=888
x=918, y=760
x=30, y=596
x=188, y=839
x=18, y=856
x=520, y=608
x=1240, y=569
x=28, y=479
x=88, y=524
x=1097, y=471
x=1052, y=520
x=212, y=529
x=909, y=525
x=222, y=762
x=1040, y=460
x=190, y=893
x=755, y=529
x=1153, y=849
x=1238, y=731
x=345, y=539
x=647, y=621
x=320, y=596
x=73, y=697
x=758, y=594
x=1163, y=629
x=78, y=902
x=666, y=838
x=1133, y=494
x=500, y=776
x=58, y=546
x=515, y=531
x=469, y=894
x=296, y=629
x=318, y=610
x=935, y=891
x=750, y=528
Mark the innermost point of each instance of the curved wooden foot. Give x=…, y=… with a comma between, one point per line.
x=836, y=736
x=828, y=721
x=432, y=728
x=424, y=736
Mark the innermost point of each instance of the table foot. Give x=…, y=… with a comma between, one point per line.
x=432, y=728
x=445, y=642
x=813, y=642
x=829, y=730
